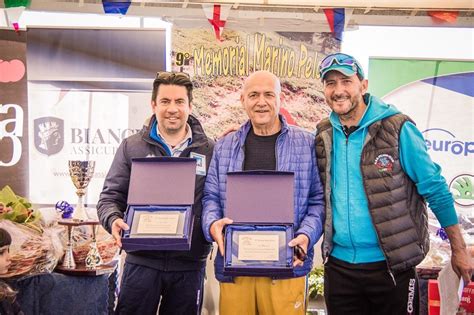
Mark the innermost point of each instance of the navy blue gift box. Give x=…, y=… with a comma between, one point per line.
x=160, y=187
x=261, y=205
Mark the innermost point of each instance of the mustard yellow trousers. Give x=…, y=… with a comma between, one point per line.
x=263, y=296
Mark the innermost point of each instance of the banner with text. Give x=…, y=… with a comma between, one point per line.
x=439, y=96
x=13, y=112
x=84, y=102
x=219, y=69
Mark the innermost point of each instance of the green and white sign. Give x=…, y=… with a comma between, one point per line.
x=439, y=96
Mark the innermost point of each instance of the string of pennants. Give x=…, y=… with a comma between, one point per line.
x=217, y=15
x=13, y=11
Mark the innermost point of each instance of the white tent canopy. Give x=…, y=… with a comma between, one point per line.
x=281, y=15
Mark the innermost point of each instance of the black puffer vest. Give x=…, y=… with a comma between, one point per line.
x=398, y=212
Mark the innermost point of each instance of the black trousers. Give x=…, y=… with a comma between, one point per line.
x=181, y=292
x=368, y=289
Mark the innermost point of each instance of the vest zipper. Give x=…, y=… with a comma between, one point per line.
x=389, y=270
x=391, y=275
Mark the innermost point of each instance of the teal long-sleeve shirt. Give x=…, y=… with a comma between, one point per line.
x=426, y=174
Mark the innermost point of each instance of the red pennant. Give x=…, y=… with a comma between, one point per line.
x=336, y=19
x=440, y=17
x=216, y=21
x=217, y=15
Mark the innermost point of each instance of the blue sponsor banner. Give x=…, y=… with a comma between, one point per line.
x=443, y=140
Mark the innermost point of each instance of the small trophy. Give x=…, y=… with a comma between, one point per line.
x=93, y=259
x=81, y=174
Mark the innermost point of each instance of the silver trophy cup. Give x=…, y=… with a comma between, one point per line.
x=81, y=173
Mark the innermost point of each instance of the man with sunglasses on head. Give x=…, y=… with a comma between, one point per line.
x=175, y=277
x=378, y=177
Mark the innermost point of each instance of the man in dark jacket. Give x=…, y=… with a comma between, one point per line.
x=175, y=276
x=378, y=176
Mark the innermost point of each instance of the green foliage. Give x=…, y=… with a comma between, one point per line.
x=316, y=282
x=16, y=208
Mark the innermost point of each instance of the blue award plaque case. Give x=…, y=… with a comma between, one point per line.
x=261, y=205
x=160, y=200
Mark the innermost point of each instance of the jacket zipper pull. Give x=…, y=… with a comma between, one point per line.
x=393, y=278
x=212, y=250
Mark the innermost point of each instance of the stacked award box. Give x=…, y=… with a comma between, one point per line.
x=160, y=200
x=261, y=205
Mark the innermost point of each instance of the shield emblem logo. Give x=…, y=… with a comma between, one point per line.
x=49, y=135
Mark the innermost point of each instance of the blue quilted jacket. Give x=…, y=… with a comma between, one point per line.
x=294, y=153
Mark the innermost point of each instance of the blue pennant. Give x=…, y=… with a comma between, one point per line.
x=116, y=6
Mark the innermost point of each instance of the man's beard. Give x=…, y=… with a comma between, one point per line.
x=349, y=114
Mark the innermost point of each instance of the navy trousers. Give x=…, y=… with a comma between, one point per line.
x=181, y=292
x=369, y=289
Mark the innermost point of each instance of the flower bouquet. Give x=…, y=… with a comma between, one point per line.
x=17, y=209
x=34, y=249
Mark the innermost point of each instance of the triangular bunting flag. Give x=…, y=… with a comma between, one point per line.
x=444, y=16
x=17, y=3
x=336, y=20
x=116, y=6
x=13, y=16
x=217, y=15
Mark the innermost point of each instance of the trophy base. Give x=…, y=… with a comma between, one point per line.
x=82, y=270
x=75, y=222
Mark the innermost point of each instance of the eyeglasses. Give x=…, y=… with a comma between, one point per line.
x=340, y=59
x=169, y=74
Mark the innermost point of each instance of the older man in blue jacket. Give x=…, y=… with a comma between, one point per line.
x=265, y=142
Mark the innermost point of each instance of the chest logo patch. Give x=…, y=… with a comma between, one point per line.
x=384, y=163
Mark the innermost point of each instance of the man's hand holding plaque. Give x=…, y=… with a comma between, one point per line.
x=117, y=226
x=216, y=231
x=302, y=242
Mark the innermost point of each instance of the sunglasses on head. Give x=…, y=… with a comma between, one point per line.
x=341, y=59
